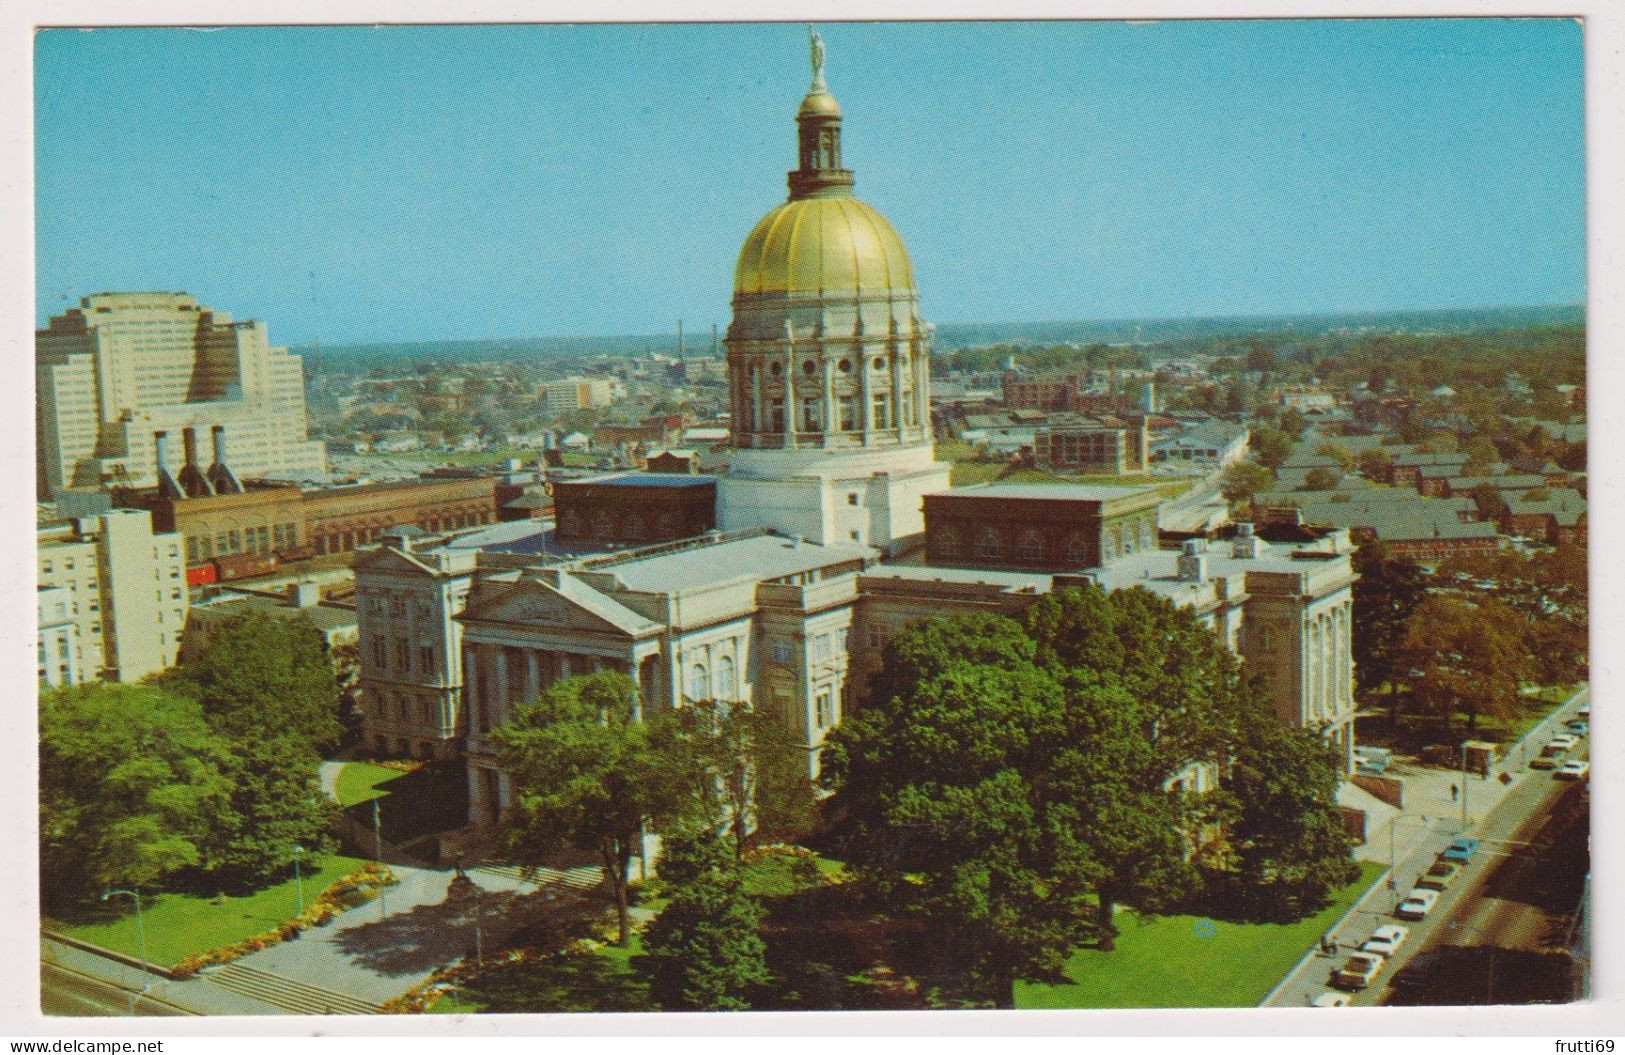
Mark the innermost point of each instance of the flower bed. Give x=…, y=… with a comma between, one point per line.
x=368, y=878
x=416, y=1000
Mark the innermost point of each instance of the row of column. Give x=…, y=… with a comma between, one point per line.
x=750, y=391
x=498, y=677
x=1327, y=651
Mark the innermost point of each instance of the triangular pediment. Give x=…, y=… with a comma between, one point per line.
x=538, y=606
x=384, y=559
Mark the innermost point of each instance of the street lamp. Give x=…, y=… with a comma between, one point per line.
x=298, y=880
x=140, y=937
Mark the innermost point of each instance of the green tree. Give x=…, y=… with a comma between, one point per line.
x=1270, y=446
x=943, y=810
x=1464, y=655
x=749, y=771
x=130, y=781
x=1240, y=481
x=704, y=952
x=1481, y=453
x=1491, y=507
x=1345, y=460
x=274, y=805
x=261, y=675
x=268, y=686
x=1374, y=463
x=1320, y=479
x=588, y=774
x=1288, y=839
x=1386, y=591
x=1293, y=423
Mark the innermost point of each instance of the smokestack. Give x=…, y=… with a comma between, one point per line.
x=220, y=475
x=680, y=355
x=193, y=482
x=167, y=487
x=714, y=339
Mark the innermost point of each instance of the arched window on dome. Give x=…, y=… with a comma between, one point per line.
x=882, y=411
x=849, y=415
x=812, y=414
x=775, y=411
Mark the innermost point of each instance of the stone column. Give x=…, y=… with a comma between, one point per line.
x=501, y=714
x=790, y=408
x=564, y=665
x=534, y=674
x=864, y=421
x=758, y=404
x=832, y=419
x=896, y=400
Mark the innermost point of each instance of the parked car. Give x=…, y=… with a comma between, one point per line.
x=1418, y=903
x=1573, y=769
x=1461, y=850
x=1441, y=875
x=1577, y=727
x=1385, y=940
x=1357, y=971
x=1549, y=758
x=1330, y=999
x=1563, y=741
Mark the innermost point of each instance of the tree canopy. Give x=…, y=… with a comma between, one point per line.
x=587, y=774
x=1015, y=782
x=131, y=782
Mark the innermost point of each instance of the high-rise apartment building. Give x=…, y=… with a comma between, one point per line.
x=112, y=596
x=121, y=368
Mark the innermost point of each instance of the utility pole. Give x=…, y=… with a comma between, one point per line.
x=141, y=940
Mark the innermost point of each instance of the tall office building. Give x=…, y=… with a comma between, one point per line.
x=828, y=360
x=112, y=598
x=122, y=368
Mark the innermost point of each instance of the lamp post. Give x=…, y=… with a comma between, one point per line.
x=140, y=937
x=1464, y=786
x=298, y=880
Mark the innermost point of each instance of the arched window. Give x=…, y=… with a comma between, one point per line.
x=949, y=544
x=725, y=688
x=1032, y=545
x=698, y=685
x=1077, y=548
x=989, y=543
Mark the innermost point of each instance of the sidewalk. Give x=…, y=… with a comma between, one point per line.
x=190, y=994
x=1432, y=817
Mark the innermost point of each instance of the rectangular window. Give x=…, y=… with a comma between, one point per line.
x=426, y=659
x=378, y=653
x=820, y=648
x=824, y=706
x=403, y=658
x=882, y=418
x=780, y=651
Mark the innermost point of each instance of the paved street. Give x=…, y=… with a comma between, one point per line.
x=1430, y=821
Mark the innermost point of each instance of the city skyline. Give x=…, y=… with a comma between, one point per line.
x=1220, y=168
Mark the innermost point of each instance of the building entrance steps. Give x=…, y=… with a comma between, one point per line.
x=297, y=998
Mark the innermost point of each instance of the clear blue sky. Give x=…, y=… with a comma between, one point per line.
x=355, y=184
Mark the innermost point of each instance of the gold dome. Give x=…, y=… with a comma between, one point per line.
x=831, y=245
x=819, y=103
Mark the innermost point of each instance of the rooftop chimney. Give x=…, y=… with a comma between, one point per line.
x=224, y=480
x=167, y=487
x=304, y=594
x=1246, y=545
x=1192, y=561
x=193, y=482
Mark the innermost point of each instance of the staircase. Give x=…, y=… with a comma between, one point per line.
x=584, y=879
x=297, y=998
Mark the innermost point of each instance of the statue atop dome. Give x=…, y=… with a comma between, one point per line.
x=816, y=44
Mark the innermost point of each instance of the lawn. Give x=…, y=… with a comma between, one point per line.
x=1186, y=961
x=360, y=782
x=178, y=925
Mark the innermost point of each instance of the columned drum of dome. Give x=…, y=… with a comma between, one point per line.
x=829, y=361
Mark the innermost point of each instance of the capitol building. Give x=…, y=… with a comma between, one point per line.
x=837, y=529
x=829, y=362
